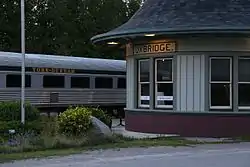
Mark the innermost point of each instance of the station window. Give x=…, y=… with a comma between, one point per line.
x=143, y=83
x=103, y=82
x=220, y=83
x=121, y=83
x=80, y=82
x=53, y=81
x=15, y=80
x=164, y=83
x=244, y=83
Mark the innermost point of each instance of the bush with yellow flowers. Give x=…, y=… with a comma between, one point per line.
x=74, y=121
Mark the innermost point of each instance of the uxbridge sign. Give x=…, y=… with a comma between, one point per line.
x=154, y=48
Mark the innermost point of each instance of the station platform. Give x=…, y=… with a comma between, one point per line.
x=119, y=129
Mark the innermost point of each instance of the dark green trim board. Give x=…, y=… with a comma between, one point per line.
x=235, y=83
x=175, y=82
x=206, y=53
x=135, y=83
x=206, y=86
x=152, y=83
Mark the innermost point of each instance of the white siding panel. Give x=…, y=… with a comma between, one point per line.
x=190, y=83
x=197, y=83
x=183, y=79
x=130, y=83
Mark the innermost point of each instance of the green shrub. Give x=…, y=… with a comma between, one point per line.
x=101, y=115
x=74, y=121
x=33, y=127
x=39, y=143
x=11, y=111
x=10, y=118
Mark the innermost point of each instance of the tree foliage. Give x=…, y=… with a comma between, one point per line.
x=63, y=27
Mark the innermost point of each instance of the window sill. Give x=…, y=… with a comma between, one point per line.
x=143, y=107
x=244, y=108
x=164, y=107
x=221, y=108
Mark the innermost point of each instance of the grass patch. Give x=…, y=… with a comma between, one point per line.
x=116, y=142
x=37, y=154
x=242, y=139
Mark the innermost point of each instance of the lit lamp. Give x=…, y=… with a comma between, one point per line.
x=113, y=43
x=149, y=35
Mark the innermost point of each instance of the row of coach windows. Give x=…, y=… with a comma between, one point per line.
x=14, y=80
x=163, y=81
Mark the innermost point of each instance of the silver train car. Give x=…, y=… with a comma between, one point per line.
x=54, y=82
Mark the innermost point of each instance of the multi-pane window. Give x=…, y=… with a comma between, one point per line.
x=244, y=83
x=164, y=83
x=143, y=84
x=220, y=83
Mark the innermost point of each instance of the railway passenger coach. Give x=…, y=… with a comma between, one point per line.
x=59, y=81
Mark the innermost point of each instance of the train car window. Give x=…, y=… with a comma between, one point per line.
x=103, y=82
x=80, y=82
x=53, y=81
x=121, y=83
x=15, y=80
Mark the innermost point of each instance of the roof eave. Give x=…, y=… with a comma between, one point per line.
x=134, y=33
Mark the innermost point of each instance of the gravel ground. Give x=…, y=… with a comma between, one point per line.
x=223, y=155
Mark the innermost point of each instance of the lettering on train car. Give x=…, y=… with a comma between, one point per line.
x=53, y=70
x=155, y=48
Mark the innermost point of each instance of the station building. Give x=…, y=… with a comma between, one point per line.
x=188, y=67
